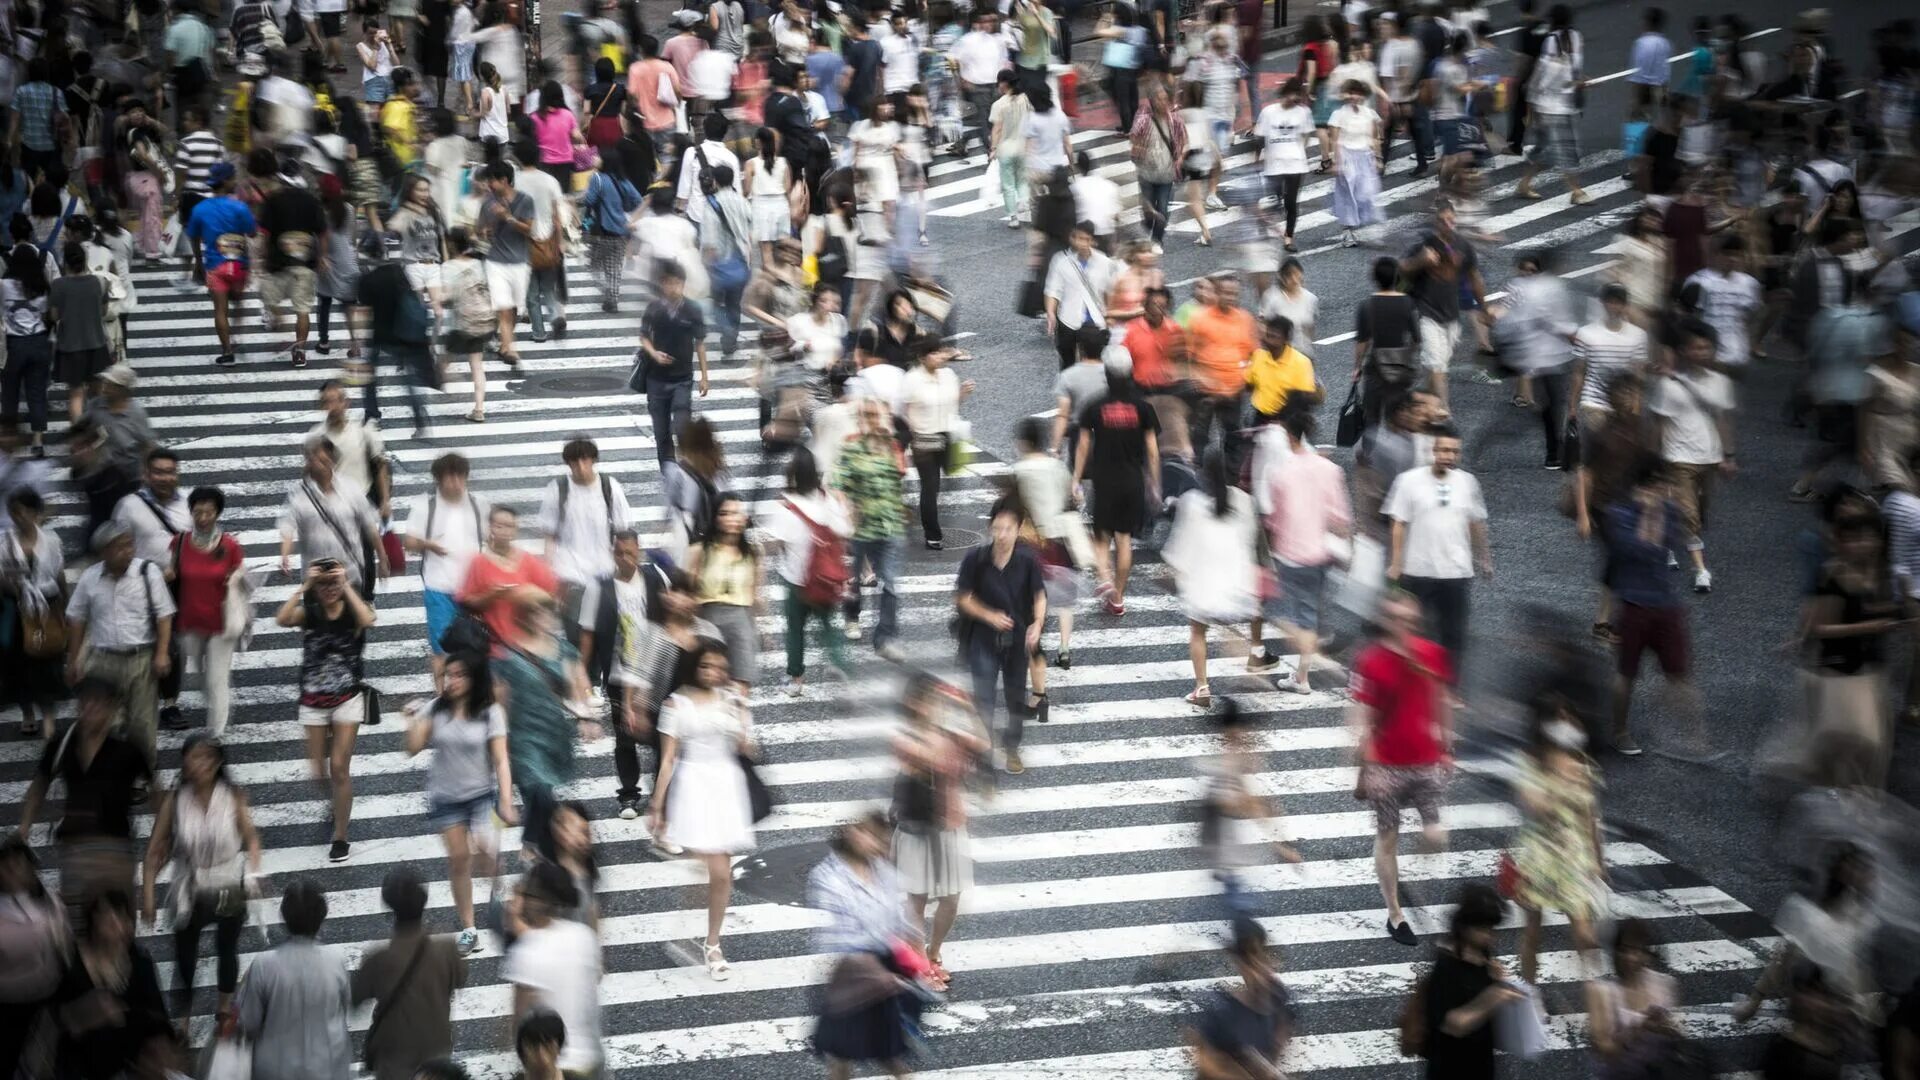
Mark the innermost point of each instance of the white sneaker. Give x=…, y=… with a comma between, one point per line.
x=1703, y=580
x=1012, y=221
x=1672, y=563
x=1214, y=202
x=853, y=631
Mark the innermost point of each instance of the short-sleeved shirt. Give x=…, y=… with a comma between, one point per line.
x=1690, y=404
x=1727, y=303
x=330, y=653
x=1011, y=589
x=462, y=767
x=1045, y=132
x=677, y=330
x=222, y=225
x=1439, y=512
x=870, y=477
x=329, y=525
x=1284, y=128
x=1118, y=429
x=1607, y=354
x=1452, y=985
x=1223, y=344
x=1082, y=385
x=540, y=729
x=99, y=800
x=79, y=301
x=1407, y=693
x=484, y=573
x=509, y=245
x=1154, y=350
x=293, y=220
x=1436, y=289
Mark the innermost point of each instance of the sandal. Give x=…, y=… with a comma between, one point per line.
x=1204, y=241
x=716, y=963
x=1326, y=165
x=476, y=417
x=1201, y=698
x=1521, y=401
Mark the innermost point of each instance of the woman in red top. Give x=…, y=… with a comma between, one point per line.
x=1319, y=55
x=204, y=562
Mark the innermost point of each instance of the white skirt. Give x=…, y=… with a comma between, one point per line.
x=772, y=218
x=708, y=809
x=934, y=864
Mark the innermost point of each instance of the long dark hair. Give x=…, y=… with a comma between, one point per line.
x=479, y=685
x=1213, y=479
x=26, y=266
x=714, y=539
x=552, y=96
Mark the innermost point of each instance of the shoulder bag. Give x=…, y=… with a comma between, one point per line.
x=1395, y=365
x=387, y=1000
x=43, y=627
x=729, y=272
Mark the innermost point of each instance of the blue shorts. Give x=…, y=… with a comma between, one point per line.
x=1300, y=588
x=475, y=813
x=440, y=612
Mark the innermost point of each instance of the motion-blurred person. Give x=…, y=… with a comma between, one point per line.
x=1234, y=822
x=469, y=781
x=333, y=622
x=1045, y=488
x=36, y=937
x=1695, y=405
x=1211, y=554
x=1829, y=931
x=664, y=665
x=1466, y=987
x=620, y=614
x=1306, y=495
x=297, y=998
x=109, y=1003
x=673, y=350
x=1630, y=1012
x=930, y=398
x=330, y=519
x=555, y=964
x=1119, y=452
x=1557, y=859
x=501, y=574
x=119, y=630
x=104, y=778
x=1243, y=1032
x=539, y=1040
x=867, y=1013
x=1639, y=529
x=1845, y=624
x=811, y=527
x=542, y=686
x=1002, y=602
x=580, y=512
x=870, y=473
x=937, y=750
x=411, y=981
x=33, y=585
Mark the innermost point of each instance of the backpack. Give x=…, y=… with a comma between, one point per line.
x=695, y=516
x=479, y=524
x=473, y=313
x=827, y=574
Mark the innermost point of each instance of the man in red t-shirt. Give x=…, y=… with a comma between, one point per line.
x=1403, y=720
x=500, y=571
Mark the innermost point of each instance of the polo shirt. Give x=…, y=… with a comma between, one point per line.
x=1273, y=379
x=674, y=329
x=1223, y=342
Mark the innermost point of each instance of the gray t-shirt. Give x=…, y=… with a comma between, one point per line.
x=462, y=768
x=79, y=301
x=1081, y=385
x=1448, y=102
x=510, y=245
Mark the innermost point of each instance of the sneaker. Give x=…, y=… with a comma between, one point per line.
x=1402, y=933
x=172, y=719
x=139, y=794
x=608, y=306
x=1262, y=660
x=299, y=358
x=629, y=810
x=467, y=940
x=1014, y=765
x=323, y=348
x=1113, y=607
x=1214, y=202
x=1703, y=580
x=226, y=359
x=338, y=852
x=1624, y=745
x=853, y=631
x=935, y=545
x=1012, y=221
x=891, y=653
x=1672, y=563
x=560, y=328
x=1347, y=239
x=1554, y=466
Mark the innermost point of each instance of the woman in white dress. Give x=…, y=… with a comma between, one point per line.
x=769, y=184
x=876, y=151
x=1356, y=161
x=701, y=798
x=1211, y=552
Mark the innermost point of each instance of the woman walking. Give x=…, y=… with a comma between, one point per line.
x=557, y=131
x=1844, y=628
x=866, y=1011
x=29, y=365
x=771, y=193
x=1631, y=1028
x=204, y=562
x=605, y=214
x=701, y=803
x=1211, y=552
x=1200, y=162
x=468, y=778
x=34, y=940
x=662, y=669
x=542, y=687
x=1357, y=155
x=1319, y=57
x=1463, y=991
x=937, y=750
x=1119, y=452
x=204, y=829
x=32, y=585
x=808, y=516
x=1553, y=92
x=1557, y=861
x=423, y=240
x=471, y=319
x=728, y=574
x=930, y=397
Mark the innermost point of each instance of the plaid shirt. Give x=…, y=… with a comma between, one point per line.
x=37, y=102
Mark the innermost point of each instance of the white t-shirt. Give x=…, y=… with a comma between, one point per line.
x=1727, y=303
x=1439, y=513
x=1400, y=63
x=900, y=54
x=819, y=342
x=717, y=155
x=546, y=196
x=981, y=57
x=458, y=525
x=152, y=540
x=582, y=545
x=880, y=382
x=356, y=447
x=1285, y=129
x=1096, y=199
x=1690, y=405
x=1302, y=310
x=711, y=73
x=631, y=629
x=1046, y=140
x=1607, y=354
x=1353, y=71
x=796, y=536
x=1357, y=126
x=560, y=963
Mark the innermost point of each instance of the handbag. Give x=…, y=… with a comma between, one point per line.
x=544, y=253
x=371, y=706
x=43, y=629
x=1352, y=420
x=759, y=798
x=1031, y=300
x=1518, y=1028
x=730, y=271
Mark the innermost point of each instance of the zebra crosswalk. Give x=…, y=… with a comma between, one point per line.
x=1094, y=927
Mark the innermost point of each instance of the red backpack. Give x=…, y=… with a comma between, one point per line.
x=827, y=573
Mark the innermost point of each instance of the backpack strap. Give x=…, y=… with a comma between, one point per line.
x=479, y=526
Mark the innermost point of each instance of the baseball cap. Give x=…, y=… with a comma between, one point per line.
x=219, y=172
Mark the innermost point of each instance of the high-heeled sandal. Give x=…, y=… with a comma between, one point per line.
x=717, y=965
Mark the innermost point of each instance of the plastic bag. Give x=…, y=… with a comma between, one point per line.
x=1357, y=588
x=1518, y=1028
x=230, y=1059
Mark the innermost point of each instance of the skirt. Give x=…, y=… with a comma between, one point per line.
x=878, y=1030
x=933, y=864
x=1324, y=104
x=707, y=807
x=1556, y=141
x=738, y=629
x=81, y=365
x=461, y=69
x=1356, y=189
x=772, y=219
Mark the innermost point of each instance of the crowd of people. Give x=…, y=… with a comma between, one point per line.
x=744, y=169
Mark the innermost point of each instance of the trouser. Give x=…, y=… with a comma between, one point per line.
x=883, y=555
x=1123, y=86
x=1286, y=188
x=608, y=257
x=1550, y=393
x=29, y=369
x=981, y=98
x=226, y=944
x=48, y=163
x=105, y=487
x=143, y=191
x=1411, y=118
x=1690, y=484
x=626, y=747
x=132, y=674
x=415, y=363
x=1157, y=200
x=1066, y=342
x=1013, y=183
x=1029, y=78
x=670, y=404
x=213, y=655
x=537, y=803
x=797, y=612
x=930, y=464
x=1443, y=603
x=724, y=306
x=1517, y=108
x=1209, y=410
x=544, y=292
x=991, y=666
x=1836, y=427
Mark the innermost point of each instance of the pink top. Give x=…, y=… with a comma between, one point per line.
x=643, y=86
x=1308, y=494
x=553, y=130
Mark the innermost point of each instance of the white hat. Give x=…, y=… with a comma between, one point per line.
x=120, y=375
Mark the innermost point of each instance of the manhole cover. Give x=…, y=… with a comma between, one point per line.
x=578, y=385
x=959, y=539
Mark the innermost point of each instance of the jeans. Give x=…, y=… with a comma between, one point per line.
x=1550, y=393
x=213, y=655
x=1443, y=602
x=29, y=366
x=1013, y=183
x=883, y=555
x=226, y=945
x=543, y=292
x=797, y=612
x=670, y=404
x=1157, y=199
x=1410, y=118
x=930, y=464
x=626, y=748
x=723, y=309
x=991, y=665
x=416, y=369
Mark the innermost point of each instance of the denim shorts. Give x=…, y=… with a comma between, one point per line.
x=440, y=612
x=475, y=813
x=1300, y=588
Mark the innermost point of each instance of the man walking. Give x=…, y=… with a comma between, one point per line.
x=580, y=513
x=1076, y=293
x=1307, y=494
x=673, y=343
x=120, y=620
x=1435, y=269
x=1439, y=538
x=224, y=228
x=1695, y=407
x=294, y=1004
x=446, y=527
x=157, y=515
x=327, y=519
x=619, y=619
x=104, y=777
x=507, y=218
x=295, y=227
x=1639, y=530
x=1003, y=604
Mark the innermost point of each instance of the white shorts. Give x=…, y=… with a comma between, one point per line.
x=423, y=276
x=1437, y=343
x=508, y=284
x=351, y=711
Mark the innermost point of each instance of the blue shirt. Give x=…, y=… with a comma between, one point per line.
x=222, y=224
x=824, y=68
x=1650, y=54
x=1637, y=569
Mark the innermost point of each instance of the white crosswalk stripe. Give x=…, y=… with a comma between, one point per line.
x=1092, y=932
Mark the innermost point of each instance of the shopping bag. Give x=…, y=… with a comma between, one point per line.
x=1357, y=588
x=171, y=234
x=1519, y=1028
x=231, y=1058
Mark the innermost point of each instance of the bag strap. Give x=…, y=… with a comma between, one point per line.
x=554, y=682
x=1093, y=299
x=313, y=497
x=385, y=1005
x=604, y=98
x=154, y=509
x=54, y=236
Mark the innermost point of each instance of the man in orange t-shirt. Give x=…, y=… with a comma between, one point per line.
x=1222, y=337
x=1156, y=343
x=499, y=572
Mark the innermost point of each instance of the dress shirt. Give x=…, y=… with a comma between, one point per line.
x=1068, y=283
x=1650, y=54
x=118, y=613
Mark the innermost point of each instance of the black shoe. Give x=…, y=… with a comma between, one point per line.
x=1262, y=660
x=1040, y=708
x=560, y=328
x=934, y=545
x=608, y=306
x=1063, y=659
x=1402, y=933
x=322, y=347
x=226, y=359
x=1554, y=466
x=338, y=852
x=172, y=719
x=139, y=793
x=299, y=358
x=39, y=451
x=1419, y=171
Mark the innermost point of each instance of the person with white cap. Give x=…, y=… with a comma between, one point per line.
x=120, y=628
x=110, y=443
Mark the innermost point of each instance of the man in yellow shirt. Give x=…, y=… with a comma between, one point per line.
x=1278, y=370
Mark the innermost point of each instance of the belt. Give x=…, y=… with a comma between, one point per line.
x=131, y=650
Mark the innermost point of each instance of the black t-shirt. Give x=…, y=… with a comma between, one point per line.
x=99, y=792
x=1385, y=321
x=1664, y=169
x=1234, y=1028
x=863, y=59
x=876, y=340
x=1437, y=288
x=1011, y=589
x=1851, y=654
x=787, y=114
x=395, y=313
x=606, y=99
x=293, y=220
x=330, y=651
x=674, y=330
x=1119, y=429
x=1453, y=983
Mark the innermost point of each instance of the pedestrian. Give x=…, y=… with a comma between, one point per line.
x=470, y=324
x=870, y=473
x=701, y=801
x=1244, y=1031
x=1045, y=489
x=29, y=361
x=158, y=512
x=507, y=219
x=104, y=776
x=338, y=284
x=542, y=686
x=110, y=444
x=868, y=1012
x=294, y=225
x=606, y=212
x=930, y=399
x=399, y=332
x=1307, y=509
x=33, y=589
x=1119, y=453
x=1405, y=749
x=297, y=998
x=1639, y=527
x=1455, y=1003
x=1845, y=623
x=1828, y=927
x=1157, y=144
x=501, y=574
x=728, y=573
x=1649, y=60
x=1211, y=554
x=1557, y=858
x=411, y=980
x=1439, y=540
x=1731, y=301
x=1694, y=404
x=1605, y=350
x=38, y=940
x=333, y=621
x=224, y=227
x=447, y=528
x=1078, y=280
x=420, y=225
x=692, y=488
x=1556, y=86
x=329, y=519
x=663, y=665
x=1278, y=373
x=1222, y=337
x=936, y=752
x=1007, y=143
x=673, y=349
x=1001, y=599
x=77, y=316
x=120, y=629
x=1442, y=270
x=554, y=965
x=203, y=562
x=580, y=512
x=620, y=614
x=1282, y=129
x=546, y=255
x=811, y=526
x=1631, y=1011
x=204, y=831
x=109, y=1003
x=468, y=782
x=1536, y=334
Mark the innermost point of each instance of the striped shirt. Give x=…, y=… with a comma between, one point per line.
x=1902, y=511
x=197, y=153
x=1607, y=354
